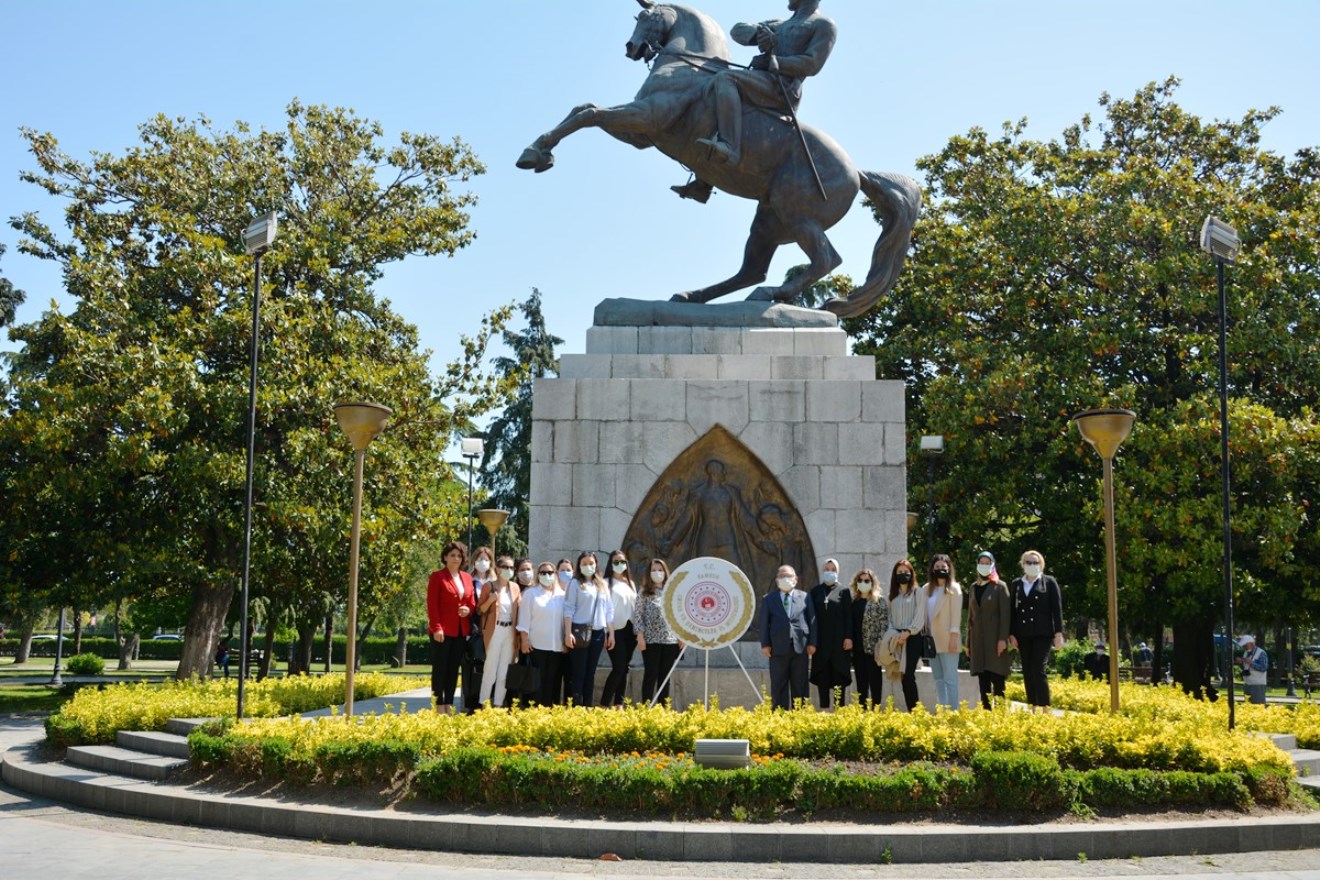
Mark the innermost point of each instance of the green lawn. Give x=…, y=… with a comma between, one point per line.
x=27, y=698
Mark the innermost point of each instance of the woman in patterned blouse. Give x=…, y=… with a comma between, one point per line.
x=657, y=642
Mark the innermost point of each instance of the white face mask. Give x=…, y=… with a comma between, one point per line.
x=482, y=566
x=1031, y=571
x=830, y=577
x=863, y=586
x=620, y=567
x=526, y=576
x=506, y=573
x=657, y=577
x=786, y=584
x=588, y=571
x=984, y=569
x=547, y=580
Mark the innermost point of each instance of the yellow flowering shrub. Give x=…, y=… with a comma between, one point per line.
x=94, y=714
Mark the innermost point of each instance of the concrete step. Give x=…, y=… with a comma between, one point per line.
x=185, y=726
x=124, y=762
x=1311, y=782
x=153, y=742
x=1307, y=761
x=1285, y=741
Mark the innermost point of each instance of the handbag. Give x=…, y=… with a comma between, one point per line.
x=520, y=678
x=581, y=635
x=928, y=651
x=475, y=646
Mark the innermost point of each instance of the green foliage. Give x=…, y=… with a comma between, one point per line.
x=1053, y=276
x=85, y=664
x=1020, y=781
x=122, y=449
x=1068, y=659
x=506, y=463
x=10, y=298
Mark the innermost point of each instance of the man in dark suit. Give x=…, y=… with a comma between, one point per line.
x=1097, y=664
x=788, y=638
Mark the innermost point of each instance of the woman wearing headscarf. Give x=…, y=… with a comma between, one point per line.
x=989, y=614
x=831, y=666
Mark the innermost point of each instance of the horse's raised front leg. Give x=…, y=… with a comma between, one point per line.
x=824, y=259
x=621, y=121
x=757, y=254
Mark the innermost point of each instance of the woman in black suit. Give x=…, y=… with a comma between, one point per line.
x=1036, y=625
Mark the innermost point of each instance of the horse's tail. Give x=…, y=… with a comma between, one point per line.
x=898, y=199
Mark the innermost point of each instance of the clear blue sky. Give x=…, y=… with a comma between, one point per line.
x=902, y=80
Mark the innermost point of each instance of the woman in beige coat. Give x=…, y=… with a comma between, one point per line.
x=989, y=612
x=944, y=598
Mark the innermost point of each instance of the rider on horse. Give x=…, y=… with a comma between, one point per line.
x=791, y=51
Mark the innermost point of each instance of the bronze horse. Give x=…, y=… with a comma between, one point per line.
x=671, y=111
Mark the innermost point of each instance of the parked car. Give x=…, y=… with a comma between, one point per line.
x=167, y=637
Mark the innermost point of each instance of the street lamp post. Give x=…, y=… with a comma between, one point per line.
x=471, y=449
x=361, y=422
x=1105, y=429
x=1221, y=242
x=55, y=679
x=932, y=446
x=257, y=239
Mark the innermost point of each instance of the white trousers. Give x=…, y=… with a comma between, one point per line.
x=499, y=654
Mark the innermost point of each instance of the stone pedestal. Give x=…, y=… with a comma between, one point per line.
x=616, y=417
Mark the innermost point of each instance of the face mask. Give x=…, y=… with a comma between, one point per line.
x=863, y=586
x=657, y=577
x=506, y=573
x=547, y=580
x=941, y=574
x=620, y=567
x=1031, y=571
x=482, y=566
x=905, y=577
x=588, y=571
x=526, y=577
x=984, y=569
x=787, y=584
x=831, y=577
x=565, y=577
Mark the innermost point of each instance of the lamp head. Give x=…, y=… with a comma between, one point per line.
x=1220, y=240
x=492, y=519
x=932, y=444
x=1105, y=429
x=260, y=234
x=362, y=422
x=472, y=447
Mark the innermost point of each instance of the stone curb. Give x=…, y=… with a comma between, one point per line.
x=669, y=841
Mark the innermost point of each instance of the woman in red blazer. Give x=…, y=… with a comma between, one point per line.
x=451, y=605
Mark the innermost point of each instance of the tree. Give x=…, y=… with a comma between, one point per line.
x=10, y=298
x=506, y=463
x=1053, y=277
x=134, y=404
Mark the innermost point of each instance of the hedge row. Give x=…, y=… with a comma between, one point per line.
x=658, y=784
x=375, y=650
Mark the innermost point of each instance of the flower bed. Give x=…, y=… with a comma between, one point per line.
x=93, y=715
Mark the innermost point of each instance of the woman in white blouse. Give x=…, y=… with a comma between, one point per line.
x=588, y=627
x=541, y=628
x=624, y=595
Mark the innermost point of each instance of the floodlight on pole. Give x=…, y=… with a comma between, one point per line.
x=257, y=239
x=932, y=446
x=1221, y=242
x=361, y=422
x=1105, y=430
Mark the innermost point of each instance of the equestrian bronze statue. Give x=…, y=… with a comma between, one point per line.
x=737, y=129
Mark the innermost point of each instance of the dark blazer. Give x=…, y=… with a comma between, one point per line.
x=791, y=631
x=1041, y=613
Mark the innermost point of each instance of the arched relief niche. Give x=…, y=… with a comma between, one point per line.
x=718, y=499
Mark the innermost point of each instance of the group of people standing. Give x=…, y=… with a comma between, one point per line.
x=554, y=620
x=837, y=634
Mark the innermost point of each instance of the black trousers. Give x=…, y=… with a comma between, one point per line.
x=551, y=664
x=788, y=679
x=1035, y=651
x=446, y=658
x=911, y=658
x=992, y=684
x=616, y=683
x=657, y=660
x=472, y=672
x=869, y=676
